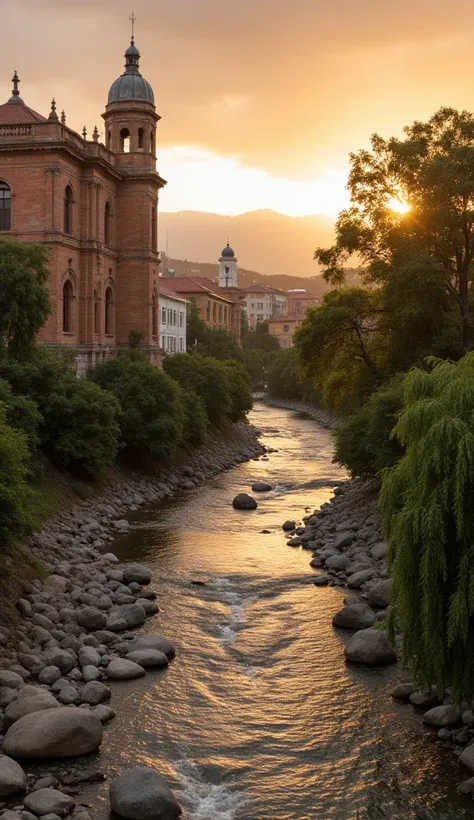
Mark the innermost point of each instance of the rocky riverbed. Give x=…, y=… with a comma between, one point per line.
x=323, y=417
x=345, y=538
x=76, y=635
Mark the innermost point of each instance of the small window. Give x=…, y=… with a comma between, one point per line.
x=154, y=241
x=174, y=317
x=140, y=138
x=96, y=313
x=181, y=344
x=286, y=328
x=68, y=210
x=5, y=207
x=152, y=142
x=125, y=140
x=68, y=307
x=181, y=318
x=109, y=312
x=163, y=316
x=107, y=224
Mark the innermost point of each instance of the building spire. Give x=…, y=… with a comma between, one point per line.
x=15, y=98
x=53, y=117
x=133, y=20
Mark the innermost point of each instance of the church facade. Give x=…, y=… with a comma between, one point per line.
x=94, y=206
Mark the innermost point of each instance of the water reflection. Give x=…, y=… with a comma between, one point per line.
x=259, y=716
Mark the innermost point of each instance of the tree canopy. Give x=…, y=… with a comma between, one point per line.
x=24, y=302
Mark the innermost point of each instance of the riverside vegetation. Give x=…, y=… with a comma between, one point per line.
x=393, y=360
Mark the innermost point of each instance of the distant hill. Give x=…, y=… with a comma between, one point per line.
x=262, y=240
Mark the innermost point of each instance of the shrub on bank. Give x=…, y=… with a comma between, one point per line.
x=240, y=390
x=208, y=378
x=21, y=413
x=15, y=494
x=364, y=443
x=195, y=418
x=152, y=420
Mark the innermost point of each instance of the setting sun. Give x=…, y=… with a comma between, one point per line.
x=398, y=205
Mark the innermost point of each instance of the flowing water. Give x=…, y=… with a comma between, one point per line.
x=259, y=716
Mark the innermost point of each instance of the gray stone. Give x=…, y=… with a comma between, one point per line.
x=442, y=716
x=60, y=658
x=379, y=595
x=261, y=487
x=90, y=673
x=467, y=787
x=243, y=501
x=370, y=646
x=12, y=815
x=88, y=656
x=47, y=782
x=344, y=539
x=10, y=679
x=294, y=542
x=12, y=777
x=121, y=669
x=467, y=757
x=133, y=614
x=402, y=691
x=103, y=712
x=61, y=732
x=316, y=562
x=115, y=623
x=379, y=551
x=157, y=642
x=7, y=696
x=49, y=675
x=467, y=717
x=338, y=562
x=137, y=573
x=354, y=617
x=27, y=705
x=91, y=618
x=425, y=700
x=321, y=581
x=95, y=692
x=148, y=658
x=288, y=525
x=150, y=607
x=48, y=801
x=143, y=794
x=355, y=581
x=69, y=695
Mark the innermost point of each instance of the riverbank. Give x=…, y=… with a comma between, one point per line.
x=345, y=536
x=76, y=633
x=323, y=417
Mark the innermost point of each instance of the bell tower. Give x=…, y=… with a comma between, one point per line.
x=228, y=268
x=130, y=121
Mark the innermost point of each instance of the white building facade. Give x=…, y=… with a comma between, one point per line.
x=262, y=303
x=172, y=321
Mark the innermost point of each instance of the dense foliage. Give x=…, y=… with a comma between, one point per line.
x=427, y=505
x=24, y=302
x=284, y=378
x=208, y=378
x=15, y=494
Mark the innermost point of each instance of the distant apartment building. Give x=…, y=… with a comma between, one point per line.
x=172, y=309
x=261, y=303
x=300, y=299
x=283, y=328
x=219, y=307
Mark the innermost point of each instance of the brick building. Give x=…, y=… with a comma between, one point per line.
x=283, y=328
x=95, y=207
x=219, y=307
x=262, y=302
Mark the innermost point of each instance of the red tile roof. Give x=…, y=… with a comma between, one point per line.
x=194, y=284
x=18, y=114
x=171, y=294
x=262, y=289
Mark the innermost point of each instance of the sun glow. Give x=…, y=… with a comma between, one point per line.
x=398, y=205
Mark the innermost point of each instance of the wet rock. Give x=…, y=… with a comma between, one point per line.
x=354, y=617
x=148, y=658
x=133, y=614
x=344, y=539
x=69, y=695
x=370, y=646
x=48, y=801
x=402, y=691
x=379, y=551
x=288, y=525
x=261, y=487
x=12, y=777
x=104, y=713
x=379, y=595
x=61, y=732
x=338, y=562
x=94, y=693
x=316, y=562
x=321, y=581
x=157, y=642
x=137, y=573
x=467, y=757
x=355, y=581
x=49, y=675
x=27, y=705
x=10, y=679
x=467, y=787
x=121, y=669
x=294, y=542
x=425, y=700
x=88, y=656
x=243, y=501
x=91, y=618
x=142, y=794
x=442, y=716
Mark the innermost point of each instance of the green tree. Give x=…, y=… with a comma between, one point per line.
x=431, y=172
x=196, y=328
x=24, y=302
x=429, y=520
x=260, y=339
x=195, y=418
x=240, y=390
x=15, y=493
x=21, y=413
x=208, y=378
x=152, y=419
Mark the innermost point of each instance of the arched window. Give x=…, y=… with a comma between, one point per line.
x=68, y=210
x=109, y=312
x=96, y=313
x=154, y=242
x=107, y=224
x=68, y=307
x=152, y=142
x=154, y=315
x=125, y=140
x=140, y=138
x=5, y=207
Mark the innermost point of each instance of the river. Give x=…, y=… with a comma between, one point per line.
x=259, y=716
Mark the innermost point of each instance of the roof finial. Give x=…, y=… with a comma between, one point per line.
x=63, y=117
x=133, y=20
x=95, y=134
x=15, y=81
x=53, y=115
x=84, y=133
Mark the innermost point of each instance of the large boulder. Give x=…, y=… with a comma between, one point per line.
x=91, y=618
x=143, y=794
x=379, y=595
x=402, y=691
x=243, y=501
x=137, y=573
x=442, y=716
x=370, y=646
x=28, y=705
x=157, y=642
x=148, y=658
x=354, y=617
x=48, y=801
x=133, y=614
x=61, y=732
x=95, y=692
x=121, y=669
x=12, y=777
x=10, y=679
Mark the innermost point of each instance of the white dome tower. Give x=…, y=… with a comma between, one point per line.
x=227, y=268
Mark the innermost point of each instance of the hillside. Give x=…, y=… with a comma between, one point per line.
x=263, y=240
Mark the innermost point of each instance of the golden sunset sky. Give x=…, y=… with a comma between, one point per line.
x=261, y=100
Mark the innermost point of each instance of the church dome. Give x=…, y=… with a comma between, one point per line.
x=228, y=252
x=131, y=85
